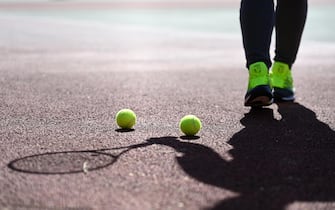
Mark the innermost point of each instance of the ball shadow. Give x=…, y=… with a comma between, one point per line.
x=124, y=130
x=190, y=138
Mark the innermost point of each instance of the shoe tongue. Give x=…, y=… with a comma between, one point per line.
x=281, y=69
x=258, y=68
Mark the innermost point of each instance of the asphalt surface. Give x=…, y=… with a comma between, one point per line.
x=65, y=74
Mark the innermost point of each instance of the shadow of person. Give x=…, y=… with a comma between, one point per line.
x=275, y=162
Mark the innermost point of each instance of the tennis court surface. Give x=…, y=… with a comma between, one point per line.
x=67, y=67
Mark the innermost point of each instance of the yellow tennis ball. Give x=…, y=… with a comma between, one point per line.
x=190, y=125
x=126, y=118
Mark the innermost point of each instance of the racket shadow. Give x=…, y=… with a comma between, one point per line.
x=70, y=162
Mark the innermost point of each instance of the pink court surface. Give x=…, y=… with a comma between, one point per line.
x=67, y=67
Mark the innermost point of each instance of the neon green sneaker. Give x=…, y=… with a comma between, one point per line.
x=282, y=82
x=259, y=92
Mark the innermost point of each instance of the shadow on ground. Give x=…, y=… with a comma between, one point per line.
x=275, y=162
x=70, y=162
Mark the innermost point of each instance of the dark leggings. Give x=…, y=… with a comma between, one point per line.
x=259, y=17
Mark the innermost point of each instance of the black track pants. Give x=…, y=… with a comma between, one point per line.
x=259, y=17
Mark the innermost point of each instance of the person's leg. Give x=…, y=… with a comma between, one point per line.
x=290, y=21
x=257, y=22
x=289, y=26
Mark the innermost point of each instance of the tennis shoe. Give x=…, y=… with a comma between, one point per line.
x=259, y=91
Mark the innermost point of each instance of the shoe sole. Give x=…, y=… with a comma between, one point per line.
x=282, y=95
x=258, y=101
x=259, y=96
x=284, y=99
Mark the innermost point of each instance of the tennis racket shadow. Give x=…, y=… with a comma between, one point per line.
x=71, y=162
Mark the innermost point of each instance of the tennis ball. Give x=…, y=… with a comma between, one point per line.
x=125, y=118
x=190, y=125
